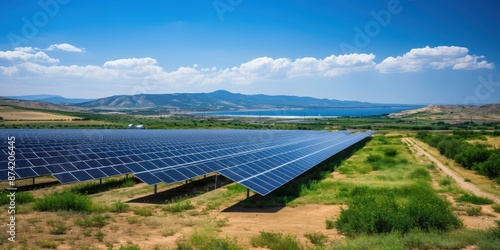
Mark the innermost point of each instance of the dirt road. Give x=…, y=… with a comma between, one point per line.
x=460, y=180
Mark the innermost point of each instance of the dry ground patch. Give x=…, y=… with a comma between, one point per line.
x=13, y=114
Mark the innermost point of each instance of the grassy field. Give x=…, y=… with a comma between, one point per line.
x=373, y=200
x=12, y=114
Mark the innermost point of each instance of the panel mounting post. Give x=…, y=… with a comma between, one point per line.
x=33, y=180
x=156, y=189
x=100, y=181
x=248, y=193
x=216, y=177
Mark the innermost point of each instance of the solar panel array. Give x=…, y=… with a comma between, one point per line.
x=261, y=160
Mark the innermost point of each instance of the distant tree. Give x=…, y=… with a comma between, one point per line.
x=491, y=167
x=471, y=155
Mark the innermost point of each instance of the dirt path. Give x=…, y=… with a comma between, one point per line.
x=458, y=179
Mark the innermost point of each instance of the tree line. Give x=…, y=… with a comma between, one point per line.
x=477, y=157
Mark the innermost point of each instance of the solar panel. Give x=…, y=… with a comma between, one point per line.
x=261, y=160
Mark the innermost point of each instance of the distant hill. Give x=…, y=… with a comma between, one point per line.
x=38, y=105
x=56, y=99
x=218, y=100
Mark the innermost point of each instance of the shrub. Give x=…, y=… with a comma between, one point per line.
x=57, y=227
x=373, y=158
x=470, y=198
x=275, y=241
x=21, y=197
x=129, y=246
x=318, y=239
x=446, y=181
x=64, y=201
x=390, y=152
x=496, y=208
x=420, y=173
x=473, y=211
x=143, y=212
x=330, y=223
x=206, y=239
x=94, y=221
x=119, y=207
x=375, y=211
x=178, y=205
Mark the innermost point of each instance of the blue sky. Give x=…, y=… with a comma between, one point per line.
x=389, y=51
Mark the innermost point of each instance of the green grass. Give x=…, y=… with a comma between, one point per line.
x=120, y=207
x=108, y=184
x=129, y=246
x=276, y=241
x=496, y=208
x=398, y=209
x=178, y=205
x=21, y=197
x=64, y=201
x=445, y=181
x=57, y=227
x=458, y=239
x=477, y=200
x=473, y=210
x=317, y=239
x=143, y=211
x=330, y=223
x=207, y=239
x=98, y=221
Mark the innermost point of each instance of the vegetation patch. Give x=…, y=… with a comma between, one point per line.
x=64, y=201
x=385, y=210
x=21, y=197
x=276, y=241
x=470, y=198
x=206, y=239
x=178, y=205
x=317, y=239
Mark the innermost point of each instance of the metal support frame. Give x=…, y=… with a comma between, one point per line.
x=156, y=189
x=216, y=178
x=248, y=193
x=33, y=180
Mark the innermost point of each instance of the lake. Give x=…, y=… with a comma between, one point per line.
x=294, y=113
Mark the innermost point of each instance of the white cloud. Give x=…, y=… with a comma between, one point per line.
x=65, y=47
x=26, y=54
x=441, y=57
x=28, y=62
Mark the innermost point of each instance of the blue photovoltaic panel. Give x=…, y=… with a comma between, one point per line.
x=259, y=160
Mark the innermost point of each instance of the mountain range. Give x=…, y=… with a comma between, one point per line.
x=55, y=99
x=218, y=100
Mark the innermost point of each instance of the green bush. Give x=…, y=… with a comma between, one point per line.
x=206, y=239
x=98, y=221
x=446, y=181
x=119, y=207
x=178, y=205
x=318, y=239
x=129, y=246
x=373, y=158
x=470, y=198
x=376, y=210
x=64, y=201
x=420, y=173
x=473, y=211
x=496, y=208
x=390, y=152
x=275, y=241
x=21, y=197
x=143, y=212
x=330, y=223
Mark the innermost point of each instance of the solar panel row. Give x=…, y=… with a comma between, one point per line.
x=261, y=160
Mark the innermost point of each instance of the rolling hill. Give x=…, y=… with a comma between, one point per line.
x=218, y=100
